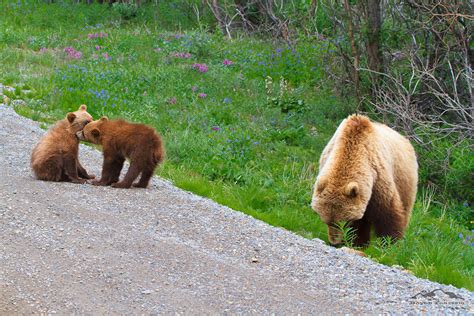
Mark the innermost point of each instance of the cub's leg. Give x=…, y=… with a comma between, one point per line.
x=147, y=173
x=110, y=170
x=70, y=170
x=83, y=173
x=132, y=173
x=115, y=169
x=51, y=170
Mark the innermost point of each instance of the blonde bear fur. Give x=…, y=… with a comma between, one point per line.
x=368, y=177
x=55, y=157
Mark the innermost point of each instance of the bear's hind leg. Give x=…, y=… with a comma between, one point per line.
x=50, y=170
x=147, y=173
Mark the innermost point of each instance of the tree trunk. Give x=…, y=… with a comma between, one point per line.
x=374, y=22
x=355, y=51
x=313, y=8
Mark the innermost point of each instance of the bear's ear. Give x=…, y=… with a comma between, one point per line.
x=83, y=107
x=321, y=184
x=71, y=117
x=104, y=118
x=95, y=132
x=351, y=189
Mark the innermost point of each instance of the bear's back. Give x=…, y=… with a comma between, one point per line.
x=127, y=138
x=55, y=142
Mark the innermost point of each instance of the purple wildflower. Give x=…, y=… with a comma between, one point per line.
x=216, y=128
x=97, y=35
x=172, y=100
x=43, y=50
x=227, y=62
x=201, y=67
x=202, y=95
x=181, y=55
x=106, y=56
x=227, y=100
x=72, y=53
x=97, y=47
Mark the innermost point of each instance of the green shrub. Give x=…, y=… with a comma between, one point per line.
x=449, y=165
x=127, y=10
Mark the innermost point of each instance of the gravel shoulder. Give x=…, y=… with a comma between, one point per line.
x=69, y=248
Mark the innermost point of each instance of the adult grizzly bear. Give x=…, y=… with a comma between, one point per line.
x=55, y=157
x=368, y=176
x=120, y=139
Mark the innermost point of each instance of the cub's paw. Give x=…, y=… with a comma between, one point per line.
x=90, y=176
x=139, y=185
x=79, y=180
x=120, y=185
x=97, y=182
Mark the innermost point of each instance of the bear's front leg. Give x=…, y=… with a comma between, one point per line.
x=132, y=173
x=70, y=170
x=391, y=220
x=110, y=170
x=362, y=230
x=82, y=172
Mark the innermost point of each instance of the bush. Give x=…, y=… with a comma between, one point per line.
x=126, y=10
x=450, y=166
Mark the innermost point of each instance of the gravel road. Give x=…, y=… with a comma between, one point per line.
x=70, y=248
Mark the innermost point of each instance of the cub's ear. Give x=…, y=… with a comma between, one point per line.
x=95, y=132
x=351, y=189
x=321, y=183
x=104, y=118
x=71, y=117
x=83, y=107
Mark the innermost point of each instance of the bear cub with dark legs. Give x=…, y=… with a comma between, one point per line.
x=55, y=157
x=120, y=140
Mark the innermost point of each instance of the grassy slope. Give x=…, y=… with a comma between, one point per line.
x=234, y=145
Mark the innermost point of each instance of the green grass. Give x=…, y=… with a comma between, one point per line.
x=251, y=143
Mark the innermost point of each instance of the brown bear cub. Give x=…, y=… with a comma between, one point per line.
x=367, y=178
x=120, y=139
x=55, y=157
